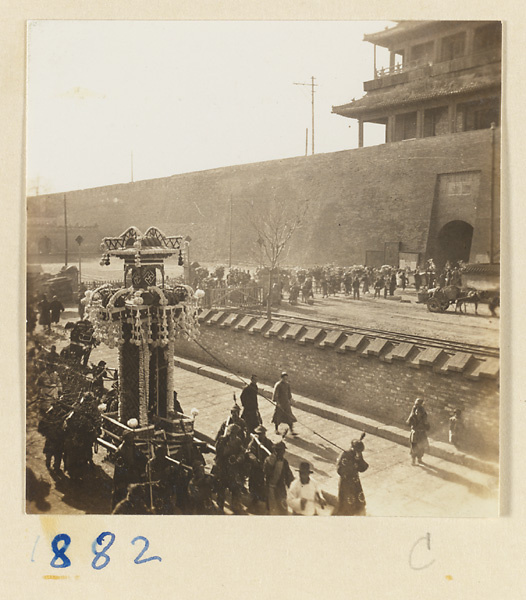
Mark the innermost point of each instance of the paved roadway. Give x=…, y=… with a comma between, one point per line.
x=392, y=486
x=406, y=317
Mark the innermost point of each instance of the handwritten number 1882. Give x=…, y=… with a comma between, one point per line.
x=60, y=560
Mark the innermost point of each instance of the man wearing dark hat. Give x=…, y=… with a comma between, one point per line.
x=259, y=448
x=234, y=417
x=200, y=491
x=351, y=499
x=130, y=467
x=305, y=495
x=278, y=478
x=161, y=473
x=249, y=401
x=282, y=398
x=229, y=468
x=99, y=373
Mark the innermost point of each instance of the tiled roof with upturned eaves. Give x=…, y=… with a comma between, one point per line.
x=422, y=89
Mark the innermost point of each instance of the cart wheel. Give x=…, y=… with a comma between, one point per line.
x=434, y=305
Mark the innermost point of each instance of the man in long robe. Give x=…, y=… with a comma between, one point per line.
x=249, y=402
x=130, y=467
x=351, y=499
x=278, y=478
x=259, y=448
x=282, y=397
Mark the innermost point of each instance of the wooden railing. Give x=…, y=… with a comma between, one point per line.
x=233, y=297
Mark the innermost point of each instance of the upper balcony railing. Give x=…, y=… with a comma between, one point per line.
x=402, y=68
x=459, y=62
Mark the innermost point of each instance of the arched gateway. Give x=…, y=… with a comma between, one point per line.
x=454, y=242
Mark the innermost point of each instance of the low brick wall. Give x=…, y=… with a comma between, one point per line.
x=376, y=377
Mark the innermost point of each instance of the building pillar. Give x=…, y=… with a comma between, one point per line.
x=420, y=123
x=452, y=114
x=438, y=50
x=389, y=130
x=470, y=36
x=360, y=133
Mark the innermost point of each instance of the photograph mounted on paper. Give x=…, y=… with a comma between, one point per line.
x=263, y=279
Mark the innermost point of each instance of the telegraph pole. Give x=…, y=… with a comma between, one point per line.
x=492, y=196
x=230, y=245
x=65, y=232
x=312, y=86
x=132, y=166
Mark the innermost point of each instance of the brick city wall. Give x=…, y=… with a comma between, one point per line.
x=374, y=377
x=358, y=200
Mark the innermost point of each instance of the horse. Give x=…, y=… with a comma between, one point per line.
x=471, y=298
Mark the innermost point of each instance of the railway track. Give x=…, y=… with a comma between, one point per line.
x=479, y=351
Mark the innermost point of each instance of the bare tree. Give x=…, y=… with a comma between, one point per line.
x=275, y=221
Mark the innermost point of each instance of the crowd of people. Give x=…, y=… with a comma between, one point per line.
x=301, y=284
x=248, y=469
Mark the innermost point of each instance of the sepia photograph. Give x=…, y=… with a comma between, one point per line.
x=263, y=268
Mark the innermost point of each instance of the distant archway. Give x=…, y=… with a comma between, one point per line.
x=454, y=243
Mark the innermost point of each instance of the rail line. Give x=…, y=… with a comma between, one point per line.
x=417, y=340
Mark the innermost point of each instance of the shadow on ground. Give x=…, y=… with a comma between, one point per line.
x=478, y=489
x=92, y=494
x=320, y=451
x=37, y=491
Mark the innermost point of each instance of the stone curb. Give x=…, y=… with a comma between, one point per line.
x=392, y=433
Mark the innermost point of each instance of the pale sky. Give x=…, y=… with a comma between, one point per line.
x=186, y=95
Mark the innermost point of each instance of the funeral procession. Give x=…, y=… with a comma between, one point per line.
x=273, y=331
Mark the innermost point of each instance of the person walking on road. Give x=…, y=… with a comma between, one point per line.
x=418, y=422
x=392, y=284
x=356, y=288
x=456, y=428
x=249, y=402
x=258, y=450
x=351, y=499
x=278, y=478
x=56, y=307
x=282, y=398
x=130, y=467
x=44, y=309
x=234, y=418
x=379, y=284
x=305, y=495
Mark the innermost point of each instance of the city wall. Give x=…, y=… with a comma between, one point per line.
x=359, y=200
x=375, y=377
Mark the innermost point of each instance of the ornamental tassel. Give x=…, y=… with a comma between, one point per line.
x=169, y=325
x=164, y=329
x=143, y=383
x=169, y=354
x=120, y=414
x=138, y=328
x=149, y=331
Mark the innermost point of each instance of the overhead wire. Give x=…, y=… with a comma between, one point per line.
x=226, y=367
